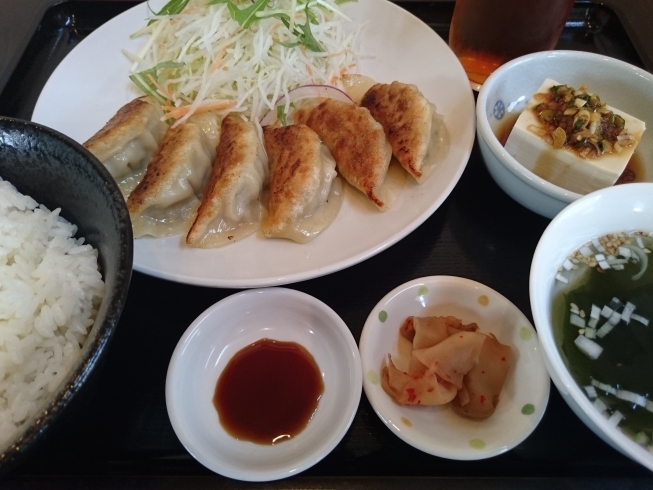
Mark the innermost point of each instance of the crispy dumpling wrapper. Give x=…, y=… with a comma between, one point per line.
x=452, y=363
x=231, y=207
x=128, y=141
x=416, y=132
x=360, y=148
x=210, y=125
x=165, y=202
x=302, y=110
x=305, y=193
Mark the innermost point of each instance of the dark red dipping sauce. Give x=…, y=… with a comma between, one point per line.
x=268, y=392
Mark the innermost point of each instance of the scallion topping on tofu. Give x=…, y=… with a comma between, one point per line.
x=580, y=121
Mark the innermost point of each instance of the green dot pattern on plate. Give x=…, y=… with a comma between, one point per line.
x=528, y=409
x=372, y=377
x=477, y=444
x=423, y=290
x=383, y=316
x=525, y=333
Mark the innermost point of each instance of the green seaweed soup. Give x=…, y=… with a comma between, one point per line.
x=626, y=362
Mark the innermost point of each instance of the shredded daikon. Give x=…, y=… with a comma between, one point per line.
x=208, y=54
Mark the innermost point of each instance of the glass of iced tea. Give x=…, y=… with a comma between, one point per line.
x=486, y=33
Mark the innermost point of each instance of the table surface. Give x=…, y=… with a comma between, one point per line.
x=117, y=433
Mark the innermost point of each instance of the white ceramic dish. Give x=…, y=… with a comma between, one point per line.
x=92, y=83
x=616, y=209
x=507, y=91
x=438, y=430
x=229, y=326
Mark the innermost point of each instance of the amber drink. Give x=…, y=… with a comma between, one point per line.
x=486, y=33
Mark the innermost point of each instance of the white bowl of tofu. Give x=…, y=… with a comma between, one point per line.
x=602, y=386
x=524, y=159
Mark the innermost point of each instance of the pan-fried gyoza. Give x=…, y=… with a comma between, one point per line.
x=305, y=192
x=414, y=129
x=231, y=207
x=127, y=143
x=360, y=148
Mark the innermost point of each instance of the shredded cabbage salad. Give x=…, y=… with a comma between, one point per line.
x=241, y=55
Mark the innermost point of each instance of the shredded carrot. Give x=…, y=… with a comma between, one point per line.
x=210, y=105
x=218, y=59
x=221, y=54
x=335, y=78
x=163, y=91
x=309, y=71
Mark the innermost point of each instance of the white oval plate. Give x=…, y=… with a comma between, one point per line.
x=438, y=430
x=227, y=327
x=92, y=83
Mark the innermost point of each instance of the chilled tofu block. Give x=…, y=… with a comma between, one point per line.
x=564, y=167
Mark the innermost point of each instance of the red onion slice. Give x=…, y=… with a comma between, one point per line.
x=305, y=92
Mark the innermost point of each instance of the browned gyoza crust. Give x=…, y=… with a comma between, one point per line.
x=237, y=148
x=176, y=149
x=121, y=127
x=357, y=142
x=405, y=115
x=294, y=156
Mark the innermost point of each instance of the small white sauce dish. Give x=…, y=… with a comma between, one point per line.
x=611, y=210
x=507, y=91
x=227, y=327
x=437, y=430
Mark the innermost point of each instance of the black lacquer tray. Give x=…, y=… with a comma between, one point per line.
x=117, y=433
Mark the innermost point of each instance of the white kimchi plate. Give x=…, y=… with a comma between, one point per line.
x=438, y=430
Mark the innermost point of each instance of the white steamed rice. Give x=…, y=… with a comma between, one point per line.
x=50, y=287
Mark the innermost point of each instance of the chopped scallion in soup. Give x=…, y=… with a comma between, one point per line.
x=602, y=311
